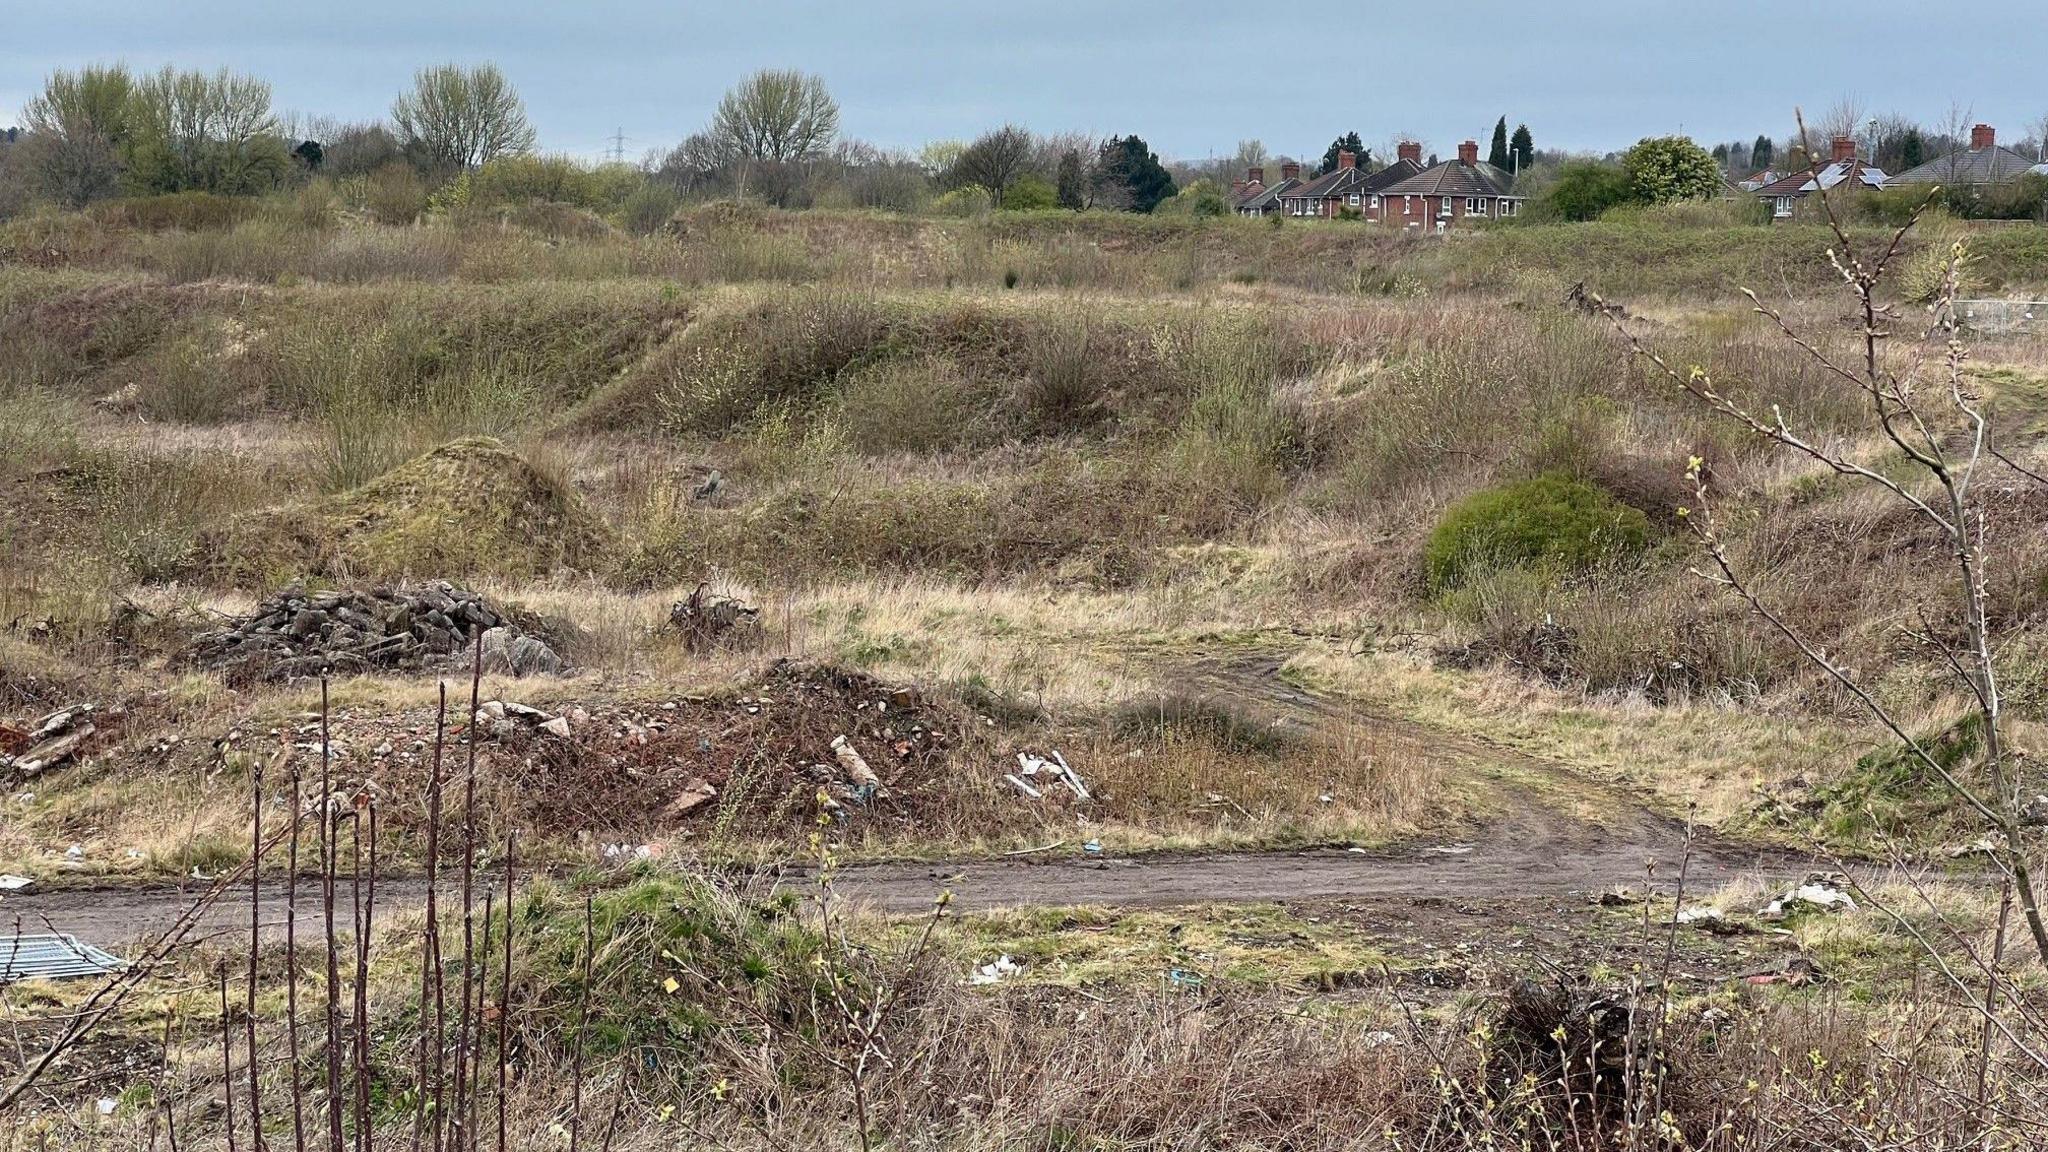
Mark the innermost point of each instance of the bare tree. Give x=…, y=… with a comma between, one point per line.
x=772, y=120
x=1926, y=410
x=456, y=118
x=993, y=161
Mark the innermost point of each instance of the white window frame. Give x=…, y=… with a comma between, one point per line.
x=1375, y=201
x=1407, y=205
x=1507, y=207
x=1352, y=199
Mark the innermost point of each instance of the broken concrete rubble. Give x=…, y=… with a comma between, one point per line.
x=1820, y=891
x=49, y=741
x=295, y=634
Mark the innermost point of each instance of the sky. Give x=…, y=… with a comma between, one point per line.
x=1193, y=77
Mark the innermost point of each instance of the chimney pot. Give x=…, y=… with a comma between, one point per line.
x=1347, y=159
x=1255, y=176
x=1290, y=171
x=1845, y=149
x=1411, y=151
x=1468, y=153
x=1981, y=137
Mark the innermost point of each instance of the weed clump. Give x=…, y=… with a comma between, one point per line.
x=1550, y=522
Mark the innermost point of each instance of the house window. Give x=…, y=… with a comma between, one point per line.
x=1352, y=199
x=1474, y=206
x=1407, y=205
x=1507, y=207
x=1375, y=201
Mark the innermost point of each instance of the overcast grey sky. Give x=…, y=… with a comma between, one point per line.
x=1193, y=77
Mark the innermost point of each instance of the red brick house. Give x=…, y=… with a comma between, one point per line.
x=1252, y=196
x=1438, y=197
x=1844, y=167
x=1349, y=188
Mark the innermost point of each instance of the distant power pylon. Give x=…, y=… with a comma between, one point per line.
x=618, y=149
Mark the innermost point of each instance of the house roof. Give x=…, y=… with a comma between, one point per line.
x=1800, y=183
x=1265, y=197
x=1347, y=181
x=1993, y=165
x=1455, y=178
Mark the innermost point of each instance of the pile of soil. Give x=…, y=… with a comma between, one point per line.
x=470, y=507
x=296, y=634
x=762, y=760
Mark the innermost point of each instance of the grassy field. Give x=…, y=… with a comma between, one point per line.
x=1286, y=537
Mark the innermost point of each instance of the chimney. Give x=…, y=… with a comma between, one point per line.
x=1290, y=171
x=1845, y=149
x=1347, y=159
x=1981, y=137
x=1468, y=153
x=1255, y=176
x=1410, y=151
x=1237, y=188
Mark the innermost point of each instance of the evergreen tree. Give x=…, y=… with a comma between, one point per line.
x=1128, y=175
x=1348, y=142
x=1762, y=153
x=1498, y=155
x=1721, y=156
x=1070, y=186
x=1522, y=149
x=1912, y=150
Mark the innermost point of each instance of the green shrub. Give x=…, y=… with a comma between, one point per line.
x=1029, y=194
x=1552, y=521
x=1585, y=189
x=648, y=208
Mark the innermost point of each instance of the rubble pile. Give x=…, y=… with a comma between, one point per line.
x=296, y=634
x=47, y=742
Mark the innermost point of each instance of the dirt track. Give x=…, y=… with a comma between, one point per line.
x=1530, y=849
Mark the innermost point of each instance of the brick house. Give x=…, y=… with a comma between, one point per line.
x=1251, y=196
x=1438, y=197
x=1785, y=195
x=1982, y=164
x=1349, y=188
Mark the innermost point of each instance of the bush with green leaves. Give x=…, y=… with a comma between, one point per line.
x=1028, y=193
x=1552, y=522
x=1661, y=169
x=1586, y=188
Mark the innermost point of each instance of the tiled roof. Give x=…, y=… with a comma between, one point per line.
x=1349, y=181
x=1993, y=165
x=1260, y=200
x=1454, y=178
x=1800, y=183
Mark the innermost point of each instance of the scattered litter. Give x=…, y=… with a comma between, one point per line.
x=52, y=956
x=1031, y=766
x=1381, y=1039
x=1702, y=915
x=622, y=852
x=10, y=882
x=75, y=853
x=856, y=768
x=1356, y=849
x=995, y=970
x=1448, y=850
x=1092, y=847
x=106, y=1105
x=48, y=742
x=1821, y=891
x=1182, y=978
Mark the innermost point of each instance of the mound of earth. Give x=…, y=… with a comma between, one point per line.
x=294, y=634
x=468, y=508
x=778, y=756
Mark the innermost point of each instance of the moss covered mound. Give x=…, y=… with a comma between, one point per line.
x=467, y=509
x=1552, y=521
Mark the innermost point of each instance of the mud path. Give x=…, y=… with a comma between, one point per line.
x=1549, y=835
